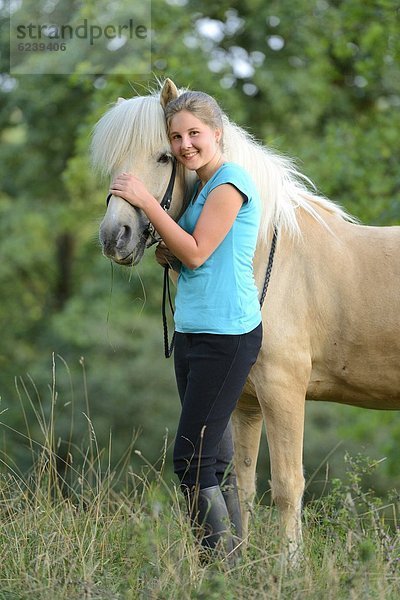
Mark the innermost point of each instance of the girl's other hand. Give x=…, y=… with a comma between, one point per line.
x=165, y=258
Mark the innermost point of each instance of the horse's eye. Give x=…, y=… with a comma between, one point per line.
x=163, y=159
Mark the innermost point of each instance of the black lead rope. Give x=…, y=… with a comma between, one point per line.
x=169, y=347
x=269, y=266
x=150, y=231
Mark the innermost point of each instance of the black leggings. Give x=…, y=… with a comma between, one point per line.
x=211, y=371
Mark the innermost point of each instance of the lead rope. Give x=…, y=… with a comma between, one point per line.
x=169, y=346
x=269, y=267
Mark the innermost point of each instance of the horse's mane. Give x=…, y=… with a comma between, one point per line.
x=129, y=127
x=283, y=189
x=138, y=125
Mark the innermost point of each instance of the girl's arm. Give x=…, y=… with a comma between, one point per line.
x=216, y=219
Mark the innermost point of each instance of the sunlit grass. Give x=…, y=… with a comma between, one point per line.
x=81, y=529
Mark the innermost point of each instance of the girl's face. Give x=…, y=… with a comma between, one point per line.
x=193, y=142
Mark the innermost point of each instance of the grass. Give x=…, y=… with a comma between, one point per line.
x=111, y=539
x=89, y=531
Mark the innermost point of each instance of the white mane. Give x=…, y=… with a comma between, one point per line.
x=139, y=123
x=283, y=189
x=130, y=127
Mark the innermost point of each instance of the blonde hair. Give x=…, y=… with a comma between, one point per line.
x=199, y=104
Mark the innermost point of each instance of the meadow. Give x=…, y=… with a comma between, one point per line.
x=83, y=529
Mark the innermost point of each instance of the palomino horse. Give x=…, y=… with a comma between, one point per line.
x=331, y=317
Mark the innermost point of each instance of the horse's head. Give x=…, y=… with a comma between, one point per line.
x=132, y=137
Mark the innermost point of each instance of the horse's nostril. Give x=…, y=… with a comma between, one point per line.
x=123, y=236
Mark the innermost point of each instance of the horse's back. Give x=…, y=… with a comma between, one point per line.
x=335, y=303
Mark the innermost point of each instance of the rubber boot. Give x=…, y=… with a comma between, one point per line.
x=228, y=485
x=231, y=497
x=211, y=522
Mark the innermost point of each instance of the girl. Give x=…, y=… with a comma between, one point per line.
x=217, y=312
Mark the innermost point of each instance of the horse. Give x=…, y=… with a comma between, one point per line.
x=331, y=318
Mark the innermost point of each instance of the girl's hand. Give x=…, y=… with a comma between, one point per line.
x=131, y=189
x=165, y=257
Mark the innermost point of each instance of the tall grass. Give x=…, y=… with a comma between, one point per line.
x=81, y=529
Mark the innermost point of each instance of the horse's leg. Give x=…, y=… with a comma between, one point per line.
x=282, y=405
x=247, y=424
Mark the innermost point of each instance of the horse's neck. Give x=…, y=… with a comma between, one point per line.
x=316, y=237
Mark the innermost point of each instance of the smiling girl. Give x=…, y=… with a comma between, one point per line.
x=217, y=313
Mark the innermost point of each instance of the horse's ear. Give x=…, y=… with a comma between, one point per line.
x=169, y=92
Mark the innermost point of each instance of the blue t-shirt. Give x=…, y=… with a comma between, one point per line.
x=220, y=296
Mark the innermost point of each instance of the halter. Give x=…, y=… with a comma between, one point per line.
x=165, y=204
